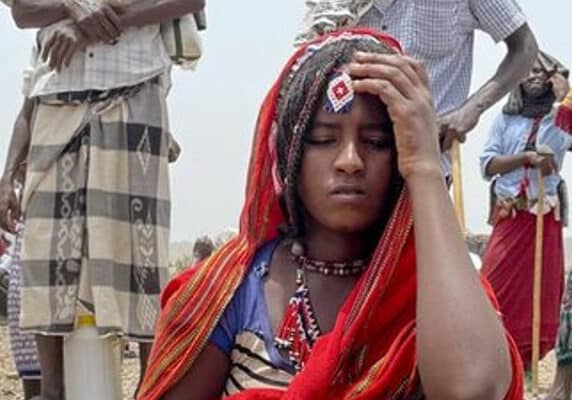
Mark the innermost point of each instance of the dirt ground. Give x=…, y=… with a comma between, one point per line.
x=10, y=388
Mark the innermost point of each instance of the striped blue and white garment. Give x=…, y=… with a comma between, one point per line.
x=245, y=335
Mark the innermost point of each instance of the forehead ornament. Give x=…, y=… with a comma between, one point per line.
x=340, y=93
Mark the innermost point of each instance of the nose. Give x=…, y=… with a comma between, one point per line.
x=349, y=160
x=537, y=75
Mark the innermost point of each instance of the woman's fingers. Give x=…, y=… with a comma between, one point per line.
x=385, y=72
x=408, y=75
x=385, y=90
x=405, y=64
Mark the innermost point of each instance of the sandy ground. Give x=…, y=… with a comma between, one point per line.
x=10, y=388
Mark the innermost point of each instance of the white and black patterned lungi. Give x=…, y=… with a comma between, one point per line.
x=97, y=212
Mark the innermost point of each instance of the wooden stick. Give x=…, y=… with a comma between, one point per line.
x=458, y=185
x=537, y=290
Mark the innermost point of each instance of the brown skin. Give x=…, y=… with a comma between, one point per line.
x=560, y=86
x=49, y=347
x=522, y=51
x=60, y=44
x=92, y=24
x=98, y=21
x=338, y=192
x=535, y=85
x=50, y=356
x=10, y=211
x=42, y=13
x=174, y=149
x=344, y=153
x=460, y=339
x=31, y=388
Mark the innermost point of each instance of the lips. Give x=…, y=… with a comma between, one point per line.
x=348, y=192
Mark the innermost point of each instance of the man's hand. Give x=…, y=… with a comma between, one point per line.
x=560, y=86
x=10, y=211
x=455, y=126
x=544, y=162
x=61, y=45
x=174, y=149
x=98, y=20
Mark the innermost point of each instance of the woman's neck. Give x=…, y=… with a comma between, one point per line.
x=325, y=245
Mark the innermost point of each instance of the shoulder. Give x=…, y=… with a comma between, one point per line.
x=502, y=121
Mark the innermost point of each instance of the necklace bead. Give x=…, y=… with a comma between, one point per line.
x=300, y=328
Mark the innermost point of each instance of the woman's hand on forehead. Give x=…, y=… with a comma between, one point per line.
x=402, y=85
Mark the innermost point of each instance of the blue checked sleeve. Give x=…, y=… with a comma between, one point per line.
x=493, y=146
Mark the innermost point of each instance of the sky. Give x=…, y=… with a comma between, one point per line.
x=213, y=110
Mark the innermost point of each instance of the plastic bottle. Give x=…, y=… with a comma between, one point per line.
x=92, y=364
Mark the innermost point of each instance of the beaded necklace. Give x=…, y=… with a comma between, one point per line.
x=300, y=329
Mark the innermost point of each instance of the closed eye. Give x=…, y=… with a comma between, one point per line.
x=378, y=135
x=380, y=143
x=320, y=141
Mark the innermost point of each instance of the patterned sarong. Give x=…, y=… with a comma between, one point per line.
x=508, y=264
x=23, y=345
x=97, y=210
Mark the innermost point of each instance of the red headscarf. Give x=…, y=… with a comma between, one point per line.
x=369, y=354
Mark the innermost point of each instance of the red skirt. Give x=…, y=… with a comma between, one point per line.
x=508, y=265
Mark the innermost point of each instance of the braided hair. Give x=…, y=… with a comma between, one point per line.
x=300, y=96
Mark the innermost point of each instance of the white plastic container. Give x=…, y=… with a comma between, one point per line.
x=92, y=364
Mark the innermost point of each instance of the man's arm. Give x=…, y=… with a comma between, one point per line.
x=17, y=152
x=97, y=20
x=38, y=13
x=147, y=12
x=101, y=21
x=504, y=164
x=521, y=54
x=18, y=149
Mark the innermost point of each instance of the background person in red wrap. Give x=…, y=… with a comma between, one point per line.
x=325, y=293
x=523, y=139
